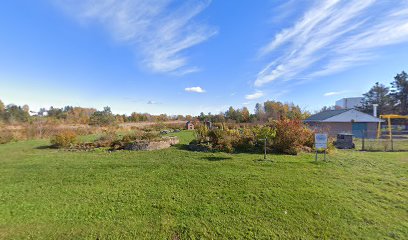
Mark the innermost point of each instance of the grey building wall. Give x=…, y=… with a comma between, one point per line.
x=333, y=128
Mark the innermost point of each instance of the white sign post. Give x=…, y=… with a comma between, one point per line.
x=321, y=143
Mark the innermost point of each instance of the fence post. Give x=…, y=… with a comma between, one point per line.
x=392, y=144
x=266, y=139
x=363, y=140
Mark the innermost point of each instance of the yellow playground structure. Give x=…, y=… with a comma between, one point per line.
x=388, y=118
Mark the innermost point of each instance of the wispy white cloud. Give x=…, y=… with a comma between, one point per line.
x=329, y=94
x=255, y=95
x=151, y=102
x=194, y=89
x=159, y=30
x=332, y=36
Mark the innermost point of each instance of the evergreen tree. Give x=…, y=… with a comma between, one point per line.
x=399, y=93
x=378, y=94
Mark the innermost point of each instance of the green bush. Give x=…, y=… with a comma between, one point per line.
x=134, y=137
x=235, y=140
x=202, y=132
x=64, y=139
x=224, y=140
x=106, y=140
x=151, y=136
x=247, y=140
x=103, y=118
x=262, y=133
x=284, y=136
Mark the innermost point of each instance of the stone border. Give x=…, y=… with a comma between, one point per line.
x=154, y=145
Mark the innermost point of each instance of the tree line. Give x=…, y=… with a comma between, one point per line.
x=263, y=112
x=391, y=99
x=13, y=114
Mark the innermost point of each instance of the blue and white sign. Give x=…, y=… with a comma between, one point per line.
x=321, y=141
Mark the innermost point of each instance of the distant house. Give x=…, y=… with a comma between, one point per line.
x=189, y=125
x=349, y=103
x=208, y=124
x=345, y=121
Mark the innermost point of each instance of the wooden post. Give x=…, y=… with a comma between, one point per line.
x=363, y=141
x=266, y=139
x=389, y=128
x=390, y=133
x=379, y=129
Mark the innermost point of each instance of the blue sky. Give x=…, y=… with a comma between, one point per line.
x=187, y=57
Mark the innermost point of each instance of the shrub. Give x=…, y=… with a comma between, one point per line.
x=175, y=126
x=6, y=136
x=284, y=136
x=157, y=126
x=224, y=140
x=201, y=132
x=247, y=140
x=264, y=132
x=106, y=139
x=64, y=139
x=150, y=136
x=291, y=137
x=134, y=137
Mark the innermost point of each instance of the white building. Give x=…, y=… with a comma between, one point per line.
x=349, y=103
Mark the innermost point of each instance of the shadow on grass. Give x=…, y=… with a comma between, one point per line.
x=263, y=160
x=214, y=158
x=45, y=147
x=182, y=147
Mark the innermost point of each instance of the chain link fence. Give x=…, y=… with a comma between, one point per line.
x=396, y=140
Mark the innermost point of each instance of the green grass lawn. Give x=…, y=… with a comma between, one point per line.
x=177, y=194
